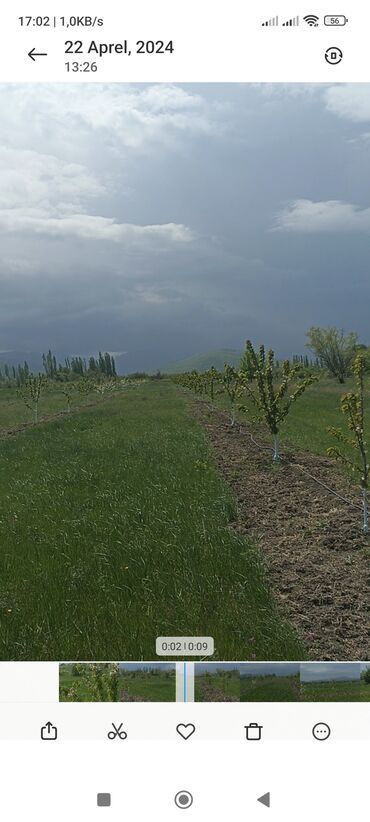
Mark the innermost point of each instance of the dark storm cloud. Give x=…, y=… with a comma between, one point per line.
x=166, y=220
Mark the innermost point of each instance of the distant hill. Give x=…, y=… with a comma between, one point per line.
x=202, y=362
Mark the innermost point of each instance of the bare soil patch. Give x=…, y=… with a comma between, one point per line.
x=209, y=693
x=317, y=558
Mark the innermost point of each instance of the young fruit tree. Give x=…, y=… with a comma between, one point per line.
x=230, y=384
x=105, y=387
x=271, y=401
x=212, y=377
x=68, y=390
x=352, y=406
x=31, y=392
x=85, y=386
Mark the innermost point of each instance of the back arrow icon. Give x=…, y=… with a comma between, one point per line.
x=265, y=800
x=32, y=54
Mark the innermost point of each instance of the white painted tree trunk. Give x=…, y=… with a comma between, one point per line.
x=276, y=455
x=365, y=511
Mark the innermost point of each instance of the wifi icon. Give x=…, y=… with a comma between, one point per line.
x=311, y=19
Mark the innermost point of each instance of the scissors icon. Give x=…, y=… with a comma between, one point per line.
x=117, y=732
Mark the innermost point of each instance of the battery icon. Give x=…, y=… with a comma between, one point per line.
x=335, y=20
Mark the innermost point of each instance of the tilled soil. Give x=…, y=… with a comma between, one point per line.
x=317, y=557
x=125, y=696
x=209, y=693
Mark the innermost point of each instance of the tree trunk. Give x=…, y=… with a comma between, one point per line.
x=276, y=455
x=365, y=510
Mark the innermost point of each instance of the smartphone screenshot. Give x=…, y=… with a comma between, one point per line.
x=184, y=411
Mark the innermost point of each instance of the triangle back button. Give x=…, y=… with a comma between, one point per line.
x=265, y=799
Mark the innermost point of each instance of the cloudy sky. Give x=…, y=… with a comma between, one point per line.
x=329, y=671
x=270, y=669
x=168, y=220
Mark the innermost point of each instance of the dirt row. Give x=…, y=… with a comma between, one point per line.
x=209, y=693
x=317, y=557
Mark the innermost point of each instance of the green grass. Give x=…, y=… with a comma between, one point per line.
x=113, y=526
x=331, y=691
x=270, y=688
x=160, y=687
x=364, y=691
x=14, y=412
x=319, y=408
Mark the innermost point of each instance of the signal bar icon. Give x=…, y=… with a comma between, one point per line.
x=294, y=21
x=273, y=22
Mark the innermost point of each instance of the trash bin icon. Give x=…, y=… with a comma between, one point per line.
x=253, y=731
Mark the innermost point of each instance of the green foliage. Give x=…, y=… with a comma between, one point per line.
x=68, y=391
x=101, y=681
x=105, y=386
x=211, y=378
x=365, y=676
x=334, y=349
x=352, y=406
x=271, y=401
x=31, y=392
x=230, y=383
x=85, y=386
x=50, y=364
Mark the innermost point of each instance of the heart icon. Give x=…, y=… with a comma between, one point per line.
x=185, y=730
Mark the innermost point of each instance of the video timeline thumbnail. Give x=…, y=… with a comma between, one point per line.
x=214, y=682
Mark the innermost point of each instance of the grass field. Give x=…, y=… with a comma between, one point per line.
x=14, y=412
x=330, y=691
x=160, y=687
x=270, y=688
x=113, y=524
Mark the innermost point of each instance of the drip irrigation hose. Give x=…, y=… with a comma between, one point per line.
x=294, y=464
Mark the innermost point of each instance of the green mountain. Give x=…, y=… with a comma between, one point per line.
x=202, y=362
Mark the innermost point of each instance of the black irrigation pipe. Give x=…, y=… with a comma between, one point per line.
x=294, y=464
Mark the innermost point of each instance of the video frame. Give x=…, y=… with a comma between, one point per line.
x=184, y=370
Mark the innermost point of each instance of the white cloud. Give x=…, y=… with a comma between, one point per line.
x=350, y=101
x=90, y=227
x=52, y=195
x=124, y=116
x=29, y=178
x=306, y=216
